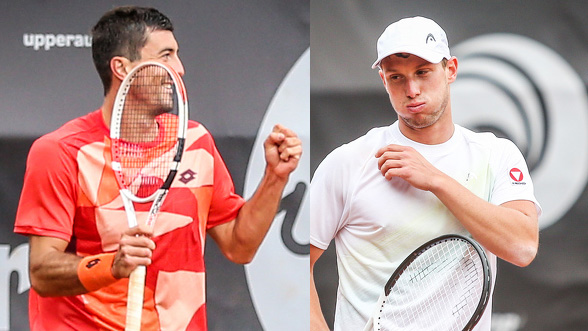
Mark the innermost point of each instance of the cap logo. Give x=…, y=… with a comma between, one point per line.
x=418, y=36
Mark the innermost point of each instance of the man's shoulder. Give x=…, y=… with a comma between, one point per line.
x=353, y=155
x=76, y=132
x=487, y=139
x=363, y=146
x=198, y=135
x=370, y=140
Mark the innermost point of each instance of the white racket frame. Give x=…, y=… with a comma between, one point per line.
x=136, y=287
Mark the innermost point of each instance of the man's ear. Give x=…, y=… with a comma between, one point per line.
x=452, y=69
x=120, y=67
x=382, y=76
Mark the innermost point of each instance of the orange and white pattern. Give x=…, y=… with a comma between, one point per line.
x=73, y=195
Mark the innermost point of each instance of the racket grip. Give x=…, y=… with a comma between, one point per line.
x=135, y=299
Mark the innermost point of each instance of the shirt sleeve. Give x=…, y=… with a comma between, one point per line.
x=513, y=180
x=328, y=192
x=225, y=204
x=47, y=202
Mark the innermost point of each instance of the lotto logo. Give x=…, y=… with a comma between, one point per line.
x=92, y=263
x=187, y=176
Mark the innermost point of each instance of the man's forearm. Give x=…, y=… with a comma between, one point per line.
x=317, y=319
x=256, y=216
x=510, y=231
x=56, y=275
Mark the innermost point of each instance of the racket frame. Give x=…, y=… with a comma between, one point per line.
x=137, y=277
x=485, y=297
x=116, y=120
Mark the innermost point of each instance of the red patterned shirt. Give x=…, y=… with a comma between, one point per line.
x=70, y=192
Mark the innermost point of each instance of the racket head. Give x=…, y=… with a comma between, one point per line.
x=147, y=130
x=443, y=285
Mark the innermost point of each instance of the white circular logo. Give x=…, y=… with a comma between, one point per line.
x=520, y=89
x=278, y=275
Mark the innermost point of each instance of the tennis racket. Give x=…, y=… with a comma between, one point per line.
x=443, y=285
x=147, y=131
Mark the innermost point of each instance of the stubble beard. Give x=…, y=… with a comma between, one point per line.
x=421, y=121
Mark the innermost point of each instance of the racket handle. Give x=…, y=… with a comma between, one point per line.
x=135, y=299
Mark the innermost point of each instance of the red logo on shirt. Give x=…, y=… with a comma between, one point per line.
x=516, y=174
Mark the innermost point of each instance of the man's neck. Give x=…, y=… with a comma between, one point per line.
x=107, y=106
x=435, y=134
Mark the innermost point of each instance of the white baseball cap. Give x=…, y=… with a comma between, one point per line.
x=418, y=36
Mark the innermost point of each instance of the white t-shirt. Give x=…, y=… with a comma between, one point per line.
x=376, y=223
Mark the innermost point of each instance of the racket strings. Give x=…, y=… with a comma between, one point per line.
x=439, y=290
x=148, y=132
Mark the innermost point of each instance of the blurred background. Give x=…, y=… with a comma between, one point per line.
x=523, y=72
x=247, y=65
